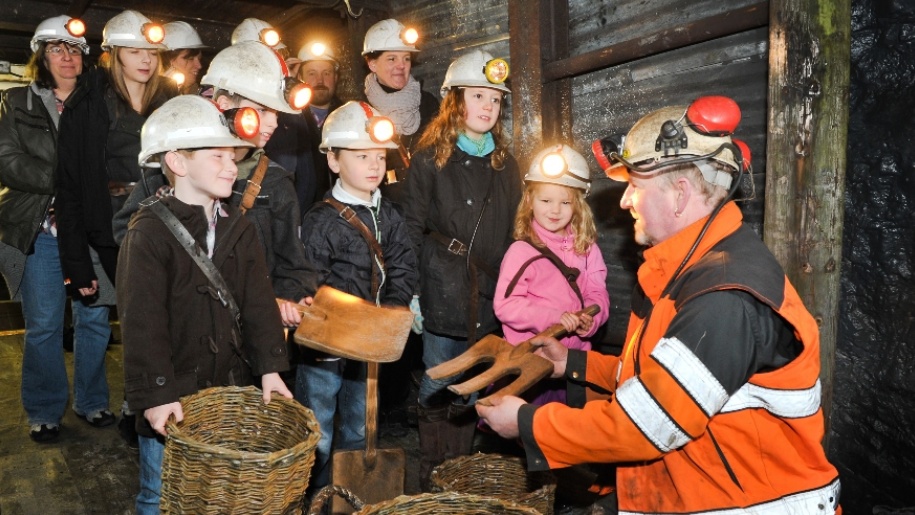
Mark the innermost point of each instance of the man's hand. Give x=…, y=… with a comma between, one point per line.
x=158, y=416
x=551, y=349
x=502, y=416
x=274, y=383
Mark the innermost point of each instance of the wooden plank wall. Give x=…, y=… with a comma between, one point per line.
x=611, y=100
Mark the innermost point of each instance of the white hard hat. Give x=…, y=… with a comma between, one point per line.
x=185, y=122
x=316, y=51
x=180, y=35
x=131, y=29
x=252, y=29
x=696, y=133
x=357, y=125
x=477, y=69
x=560, y=164
x=255, y=71
x=389, y=36
x=61, y=28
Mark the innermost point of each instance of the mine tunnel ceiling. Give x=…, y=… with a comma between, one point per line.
x=213, y=19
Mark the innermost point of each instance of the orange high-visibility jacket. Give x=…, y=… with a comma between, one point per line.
x=684, y=444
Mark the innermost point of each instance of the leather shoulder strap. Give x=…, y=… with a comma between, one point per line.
x=568, y=272
x=348, y=214
x=200, y=258
x=254, y=184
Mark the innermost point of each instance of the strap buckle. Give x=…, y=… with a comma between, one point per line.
x=457, y=247
x=347, y=213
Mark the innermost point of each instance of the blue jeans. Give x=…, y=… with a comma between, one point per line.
x=152, y=450
x=45, y=387
x=438, y=349
x=329, y=387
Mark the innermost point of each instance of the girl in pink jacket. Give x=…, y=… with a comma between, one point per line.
x=554, y=269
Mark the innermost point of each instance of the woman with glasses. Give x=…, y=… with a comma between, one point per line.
x=97, y=156
x=29, y=119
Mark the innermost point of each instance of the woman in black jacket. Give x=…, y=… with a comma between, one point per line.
x=464, y=188
x=29, y=118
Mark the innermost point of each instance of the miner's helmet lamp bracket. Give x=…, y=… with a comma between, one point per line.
x=671, y=138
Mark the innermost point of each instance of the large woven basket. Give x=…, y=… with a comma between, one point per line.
x=496, y=475
x=235, y=454
x=442, y=503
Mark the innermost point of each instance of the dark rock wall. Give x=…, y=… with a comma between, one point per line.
x=872, y=438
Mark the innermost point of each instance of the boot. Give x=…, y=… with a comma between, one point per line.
x=459, y=430
x=431, y=422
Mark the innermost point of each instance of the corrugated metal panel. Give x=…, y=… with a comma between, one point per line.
x=609, y=101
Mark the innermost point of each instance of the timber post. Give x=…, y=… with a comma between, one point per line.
x=809, y=62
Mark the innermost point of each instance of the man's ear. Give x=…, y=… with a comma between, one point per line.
x=176, y=163
x=685, y=190
x=332, y=161
x=373, y=63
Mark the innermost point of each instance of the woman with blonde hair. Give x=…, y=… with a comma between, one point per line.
x=97, y=152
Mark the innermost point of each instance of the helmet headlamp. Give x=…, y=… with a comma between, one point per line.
x=243, y=121
x=496, y=71
x=76, y=27
x=153, y=32
x=296, y=93
x=379, y=128
x=270, y=37
x=318, y=49
x=409, y=35
x=553, y=165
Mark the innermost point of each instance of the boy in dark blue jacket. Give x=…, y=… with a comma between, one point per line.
x=374, y=261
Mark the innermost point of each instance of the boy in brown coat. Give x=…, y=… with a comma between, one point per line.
x=179, y=329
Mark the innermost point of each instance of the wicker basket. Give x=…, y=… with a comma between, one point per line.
x=235, y=454
x=496, y=475
x=442, y=503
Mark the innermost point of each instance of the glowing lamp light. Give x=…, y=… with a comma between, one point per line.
x=553, y=165
x=380, y=129
x=179, y=78
x=496, y=71
x=270, y=37
x=409, y=36
x=76, y=27
x=243, y=121
x=300, y=96
x=318, y=49
x=154, y=33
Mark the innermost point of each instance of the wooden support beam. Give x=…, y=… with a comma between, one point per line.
x=524, y=28
x=809, y=62
x=557, y=95
x=706, y=29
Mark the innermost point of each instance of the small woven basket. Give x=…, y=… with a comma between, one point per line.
x=234, y=454
x=442, y=503
x=496, y=475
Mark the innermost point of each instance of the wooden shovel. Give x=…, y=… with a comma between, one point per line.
x=506, y=359
x=374, y=475
x=350, y=327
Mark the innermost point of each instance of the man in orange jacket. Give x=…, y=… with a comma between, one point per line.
x=714, y=404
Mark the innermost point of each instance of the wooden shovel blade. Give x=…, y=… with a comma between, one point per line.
x=350, y=327
x=372, y=484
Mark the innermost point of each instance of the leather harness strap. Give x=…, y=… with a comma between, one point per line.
x=568, y=272
x=254, y=184
x=348, y=214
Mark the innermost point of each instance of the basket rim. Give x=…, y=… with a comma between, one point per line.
x=178, y=437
